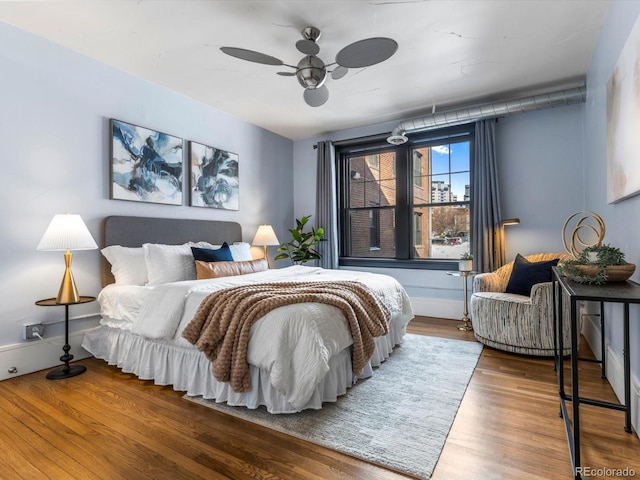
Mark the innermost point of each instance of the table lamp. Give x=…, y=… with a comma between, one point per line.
x=265, y=236
x=67, y=232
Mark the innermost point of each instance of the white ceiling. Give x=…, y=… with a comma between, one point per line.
x=450, y=52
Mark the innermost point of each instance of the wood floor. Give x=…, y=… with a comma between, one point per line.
x=109, y=425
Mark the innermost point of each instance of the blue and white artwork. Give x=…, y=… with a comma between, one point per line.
x=146, y=166
x=214, y=177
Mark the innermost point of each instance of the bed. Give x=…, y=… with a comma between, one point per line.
x=299, y=356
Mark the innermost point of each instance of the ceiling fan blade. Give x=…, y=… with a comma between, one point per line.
x=251, y=56
x=316, y=96
x=287, y=74
x=367, y=52
x=339, y=72
x=308, y=47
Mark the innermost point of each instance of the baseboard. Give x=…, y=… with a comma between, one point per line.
x=433, y=307
x=23, y=358
x=590, y=329
x=615, y=368
x=615, y=376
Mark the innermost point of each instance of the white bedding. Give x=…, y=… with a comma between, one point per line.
x=294, y=345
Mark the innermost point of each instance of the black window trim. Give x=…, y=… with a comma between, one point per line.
x=378, y=144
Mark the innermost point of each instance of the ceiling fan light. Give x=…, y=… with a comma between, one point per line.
x=311, y=72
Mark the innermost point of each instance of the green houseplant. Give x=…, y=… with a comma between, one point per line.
x=598, y=264
x=465, y=264
x=301, y=248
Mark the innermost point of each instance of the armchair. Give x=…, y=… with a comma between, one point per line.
x=516, y=323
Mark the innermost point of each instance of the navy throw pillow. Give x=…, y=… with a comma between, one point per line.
x=526, y=274
x=222, y=254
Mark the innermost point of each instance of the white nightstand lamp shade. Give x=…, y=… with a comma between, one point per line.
x=67, y=232
x=265, y=236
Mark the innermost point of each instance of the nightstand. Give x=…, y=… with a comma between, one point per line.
x=67, y=370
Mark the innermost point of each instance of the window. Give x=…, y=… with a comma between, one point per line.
x=417, y=229
x=373, y=161
x=374, y=229
x=406, y=205
x=417, y=168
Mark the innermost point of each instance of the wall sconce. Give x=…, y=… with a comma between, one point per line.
x=500, y=244
x=355, y=175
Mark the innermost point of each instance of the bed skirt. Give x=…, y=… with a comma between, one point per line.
x=188, y=370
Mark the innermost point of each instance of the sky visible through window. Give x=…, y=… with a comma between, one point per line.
x=458, y=155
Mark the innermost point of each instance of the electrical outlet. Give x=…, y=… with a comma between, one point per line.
x=30, y=331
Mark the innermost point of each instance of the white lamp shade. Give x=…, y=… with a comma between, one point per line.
x=67, y=232
x=265, y=236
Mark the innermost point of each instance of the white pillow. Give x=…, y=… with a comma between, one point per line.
x=170, y=263
x=241, y=252
x=128, y=265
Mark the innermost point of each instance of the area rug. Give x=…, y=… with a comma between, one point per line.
x=398, y=419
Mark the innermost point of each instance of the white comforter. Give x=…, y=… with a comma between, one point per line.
x=294, y=342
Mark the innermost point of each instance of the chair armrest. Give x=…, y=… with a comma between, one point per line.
x=487, y=282
x=542, y=293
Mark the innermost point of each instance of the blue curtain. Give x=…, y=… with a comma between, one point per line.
x=326, y=205
x=486, y=216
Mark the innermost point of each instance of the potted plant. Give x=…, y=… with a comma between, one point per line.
x=465, y=264
x=301, y=247
x=598, y=264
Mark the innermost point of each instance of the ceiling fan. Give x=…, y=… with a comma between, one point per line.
x=312, y=72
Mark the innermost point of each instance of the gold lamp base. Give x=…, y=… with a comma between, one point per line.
x=68, y=292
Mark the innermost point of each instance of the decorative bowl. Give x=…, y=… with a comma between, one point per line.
x=615, y=273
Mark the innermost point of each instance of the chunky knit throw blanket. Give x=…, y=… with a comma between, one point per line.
x=220, y=327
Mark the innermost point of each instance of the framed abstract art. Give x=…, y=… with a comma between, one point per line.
x=146, y=165
x=214, y=177
x=623, y=122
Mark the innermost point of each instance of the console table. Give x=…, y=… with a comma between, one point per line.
x=625, y=293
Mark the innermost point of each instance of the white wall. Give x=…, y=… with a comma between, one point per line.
x=537, y=152
x=540, y=170
x=55, y=107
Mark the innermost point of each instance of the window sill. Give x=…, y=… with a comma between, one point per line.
x=393, y=263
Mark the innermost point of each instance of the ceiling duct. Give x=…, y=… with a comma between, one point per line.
x=487, y=110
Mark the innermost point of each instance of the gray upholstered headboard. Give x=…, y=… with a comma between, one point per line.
x=134, y=231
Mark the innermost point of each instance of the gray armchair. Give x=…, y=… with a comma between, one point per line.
x=516, y=323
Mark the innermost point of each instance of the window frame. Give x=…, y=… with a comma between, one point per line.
x=417, y=230
x=417, y=179
x=404, y=208
x=374, y=228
